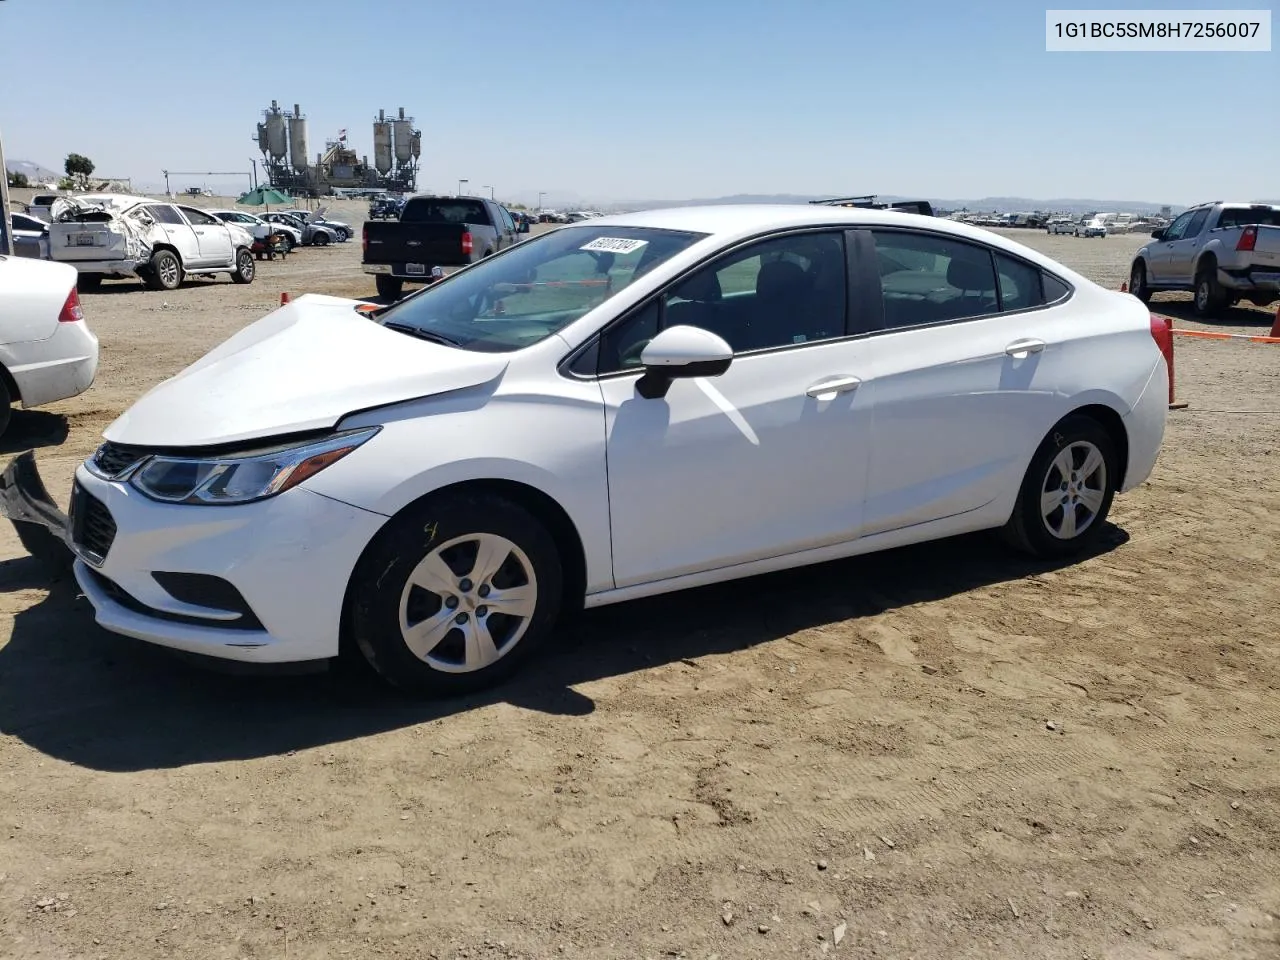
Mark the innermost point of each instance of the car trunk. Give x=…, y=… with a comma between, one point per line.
x=86, y=239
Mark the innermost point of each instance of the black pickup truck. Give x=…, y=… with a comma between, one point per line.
x=433, y=233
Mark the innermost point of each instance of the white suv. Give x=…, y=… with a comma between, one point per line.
x=116, y=235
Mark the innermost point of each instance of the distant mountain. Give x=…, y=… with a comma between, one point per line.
x=984, y=205
x=32, y=171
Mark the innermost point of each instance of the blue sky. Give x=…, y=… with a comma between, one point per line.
x=649, y=99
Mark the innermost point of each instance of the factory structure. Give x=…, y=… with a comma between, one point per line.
x=282, y=138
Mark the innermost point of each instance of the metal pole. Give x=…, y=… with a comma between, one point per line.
x=460, y=183
x=6, y=238
x=166, y=182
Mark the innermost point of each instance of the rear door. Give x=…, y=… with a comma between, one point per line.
x=1158, y=265
x=177, y=231
x=213, y=237
x=963, y=371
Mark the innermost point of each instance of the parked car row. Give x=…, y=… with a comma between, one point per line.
x=105, y=236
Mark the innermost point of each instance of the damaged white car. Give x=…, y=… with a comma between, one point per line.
x=117, y=235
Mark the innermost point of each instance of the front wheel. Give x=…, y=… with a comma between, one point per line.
x=455, y=594
x=244, y=271
x=320, y=240
x=89, y=282
x=1067, y=491
x=1138, y=282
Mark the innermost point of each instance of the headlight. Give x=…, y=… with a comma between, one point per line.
x=243, y=478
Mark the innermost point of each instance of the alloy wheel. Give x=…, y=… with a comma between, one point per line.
x=1074, y=489
x=468, y=602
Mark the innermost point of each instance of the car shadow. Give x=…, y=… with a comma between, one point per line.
x=77, y=693
x=1241, y=315
x=31, y=429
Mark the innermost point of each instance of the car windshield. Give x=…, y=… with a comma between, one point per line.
x=536, y=288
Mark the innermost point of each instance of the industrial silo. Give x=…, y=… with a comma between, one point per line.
x=262, y=137
x=404, y=137
x=382, y=143
x=277, y=143
x=417, y=144
x=298, y=139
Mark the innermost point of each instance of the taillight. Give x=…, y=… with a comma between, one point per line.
x=467, y=243
x=364, y=239
x=1248, y=238
x=71, y=310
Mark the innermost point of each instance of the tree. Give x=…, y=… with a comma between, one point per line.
x=18, y=179
x=79, y=168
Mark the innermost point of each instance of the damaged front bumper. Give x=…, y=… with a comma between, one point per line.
x=43, y=529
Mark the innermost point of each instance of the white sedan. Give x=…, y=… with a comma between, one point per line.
x=47, y=351
x=629, y=406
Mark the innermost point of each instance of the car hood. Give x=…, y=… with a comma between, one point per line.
x=302, y=367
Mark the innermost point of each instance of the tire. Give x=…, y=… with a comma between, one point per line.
x=89, y=282
x=165, y=271
x=389, y=288
x=1261, y=301
x=1138, y=282
x=320, y=240
x=245, y=269
x=1040, y=524
x=447, y=531
x=1209, y=296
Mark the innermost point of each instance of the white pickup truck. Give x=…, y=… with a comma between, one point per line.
x=1223, y=252
x=117, y=235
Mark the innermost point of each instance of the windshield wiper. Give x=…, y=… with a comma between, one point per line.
x=421, y=334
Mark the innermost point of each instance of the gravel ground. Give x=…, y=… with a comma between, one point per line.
x=936, y=752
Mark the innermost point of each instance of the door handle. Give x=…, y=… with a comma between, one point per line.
x=1021, y=349
x=827, y=389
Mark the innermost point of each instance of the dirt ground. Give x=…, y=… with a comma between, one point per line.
x=937, y=752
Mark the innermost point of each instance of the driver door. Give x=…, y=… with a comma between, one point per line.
x=767, y=459
x=1159, y=267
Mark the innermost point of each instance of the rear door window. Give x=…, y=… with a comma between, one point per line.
x=163, y=213
x=926, y=279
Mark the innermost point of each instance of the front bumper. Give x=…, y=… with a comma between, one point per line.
x=289, y=558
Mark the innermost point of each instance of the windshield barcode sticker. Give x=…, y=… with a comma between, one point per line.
x=614, y=245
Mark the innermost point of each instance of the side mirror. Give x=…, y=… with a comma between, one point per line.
x=1158, y=234
x=681, y=352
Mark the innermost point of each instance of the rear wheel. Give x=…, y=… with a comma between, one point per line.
x=165, y=272
x=389, y=288
x=1210, y=297
x=456, y=594
x=244, y=271
x=1067, y=491
x=1138, y=282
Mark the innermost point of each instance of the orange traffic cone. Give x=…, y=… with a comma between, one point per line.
x=1275, y=327
x=284, y=298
